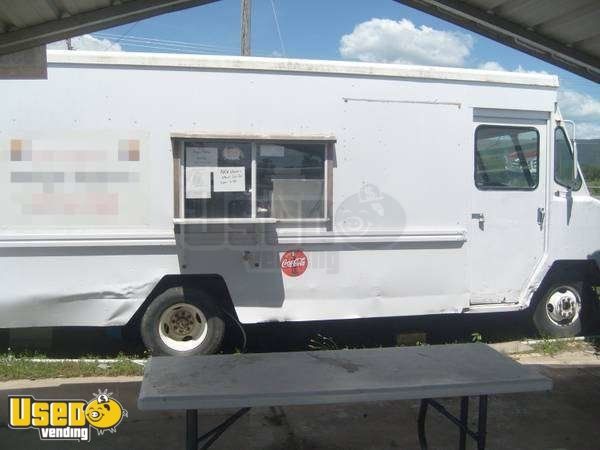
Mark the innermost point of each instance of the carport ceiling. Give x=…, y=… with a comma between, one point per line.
x=30, y=23
x=562, y=32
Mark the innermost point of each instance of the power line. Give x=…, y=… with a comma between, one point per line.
x=173, y=49
x=278, y=28
x=160, y=43
x=133, y=25
x=166, y=45
x=164, y=41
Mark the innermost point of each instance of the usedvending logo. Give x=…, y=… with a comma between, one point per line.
x=66, y=419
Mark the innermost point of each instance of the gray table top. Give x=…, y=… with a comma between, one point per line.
x=337, y=376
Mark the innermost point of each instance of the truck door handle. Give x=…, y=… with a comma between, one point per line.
x=541, y=215
x=480, y=217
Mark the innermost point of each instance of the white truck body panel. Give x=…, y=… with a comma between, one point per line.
x=87, y=231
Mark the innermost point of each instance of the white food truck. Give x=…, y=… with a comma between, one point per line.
x=170, y=192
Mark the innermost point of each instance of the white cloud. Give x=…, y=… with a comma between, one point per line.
x=584, y=108
x=521, y=69
x=87, y=42
x=491, y=65
x=588, y=130
x=494, y=65
x=576, y=104
x=390, y=41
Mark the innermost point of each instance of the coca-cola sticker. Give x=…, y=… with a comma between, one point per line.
x=294, y=263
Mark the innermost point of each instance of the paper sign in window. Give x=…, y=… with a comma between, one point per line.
x=199, y=162
x=270, y=150
x=201, y=157
x=197, y=182
x=230, y=179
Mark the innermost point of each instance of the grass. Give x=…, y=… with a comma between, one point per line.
x=551, y=347
x=16, y=367
x=476, y=337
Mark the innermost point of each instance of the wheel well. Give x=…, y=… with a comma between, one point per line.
x=573, y=271
x=214, y=285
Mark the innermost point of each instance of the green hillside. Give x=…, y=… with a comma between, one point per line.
x=589, y=158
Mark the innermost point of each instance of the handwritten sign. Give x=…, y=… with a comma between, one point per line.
x=230, y=179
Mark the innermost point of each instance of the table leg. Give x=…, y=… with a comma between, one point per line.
x=191, y=429
x=421, y=423
x=462, y=423
x=482, y=422
x=464, y=420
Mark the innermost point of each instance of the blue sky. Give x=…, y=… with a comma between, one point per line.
x=315, y=29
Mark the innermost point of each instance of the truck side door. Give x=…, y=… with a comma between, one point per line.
x=506, y=238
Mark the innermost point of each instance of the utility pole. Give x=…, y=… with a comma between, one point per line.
x=246, y=25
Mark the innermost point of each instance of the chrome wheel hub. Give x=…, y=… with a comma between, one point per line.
x=563, y=306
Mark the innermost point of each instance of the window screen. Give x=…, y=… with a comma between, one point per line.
x=506, y=158
x=290, y=181
x=563, y=161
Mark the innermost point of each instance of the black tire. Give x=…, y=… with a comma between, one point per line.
x=154, y=338
x=544, y=316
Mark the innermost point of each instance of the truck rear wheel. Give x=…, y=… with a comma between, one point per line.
x=559, y=312
x=182, y=322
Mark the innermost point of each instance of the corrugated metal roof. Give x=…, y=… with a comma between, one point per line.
x=564, y=33
x=30, y=23
x=21, y=14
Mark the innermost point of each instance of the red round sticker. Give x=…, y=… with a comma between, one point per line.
x=294, y=263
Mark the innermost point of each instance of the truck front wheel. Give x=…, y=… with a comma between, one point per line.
x=559, y=312
x=182, y=322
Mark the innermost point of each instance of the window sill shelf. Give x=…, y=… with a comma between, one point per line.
x=266, y=220
x=223, y=221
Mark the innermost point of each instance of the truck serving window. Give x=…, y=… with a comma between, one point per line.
x=506, y=158
x=563, y=161
x=253, y=180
